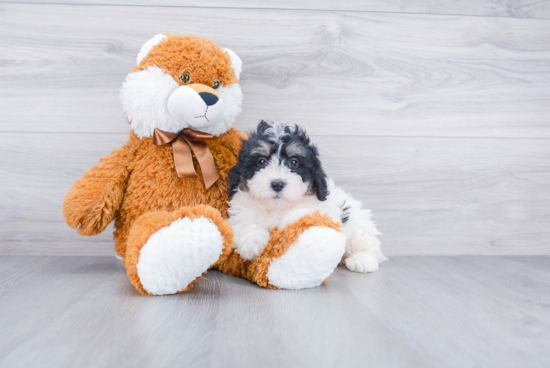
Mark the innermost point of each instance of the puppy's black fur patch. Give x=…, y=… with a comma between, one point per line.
x=271, y=139
x=345, y=212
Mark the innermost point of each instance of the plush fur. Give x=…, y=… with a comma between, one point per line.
x=105, y=192
x=279, y=179
x=151, y=223
x=278, y=245
x=318, y=246
x=171, y=230
x=154, y=95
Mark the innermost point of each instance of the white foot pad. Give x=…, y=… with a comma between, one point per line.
x=309, y=261
x=177, y=254
x=362, y=262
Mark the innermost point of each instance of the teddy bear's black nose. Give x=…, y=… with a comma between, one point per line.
x=208, y=98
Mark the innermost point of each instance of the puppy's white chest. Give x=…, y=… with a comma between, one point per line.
x=283, y=216
x=270, y=219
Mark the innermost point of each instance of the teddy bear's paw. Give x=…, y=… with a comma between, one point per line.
x=362, y=262
x=178, y=254
x=309, y=261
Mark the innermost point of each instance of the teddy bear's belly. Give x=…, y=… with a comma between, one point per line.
x=162, y=189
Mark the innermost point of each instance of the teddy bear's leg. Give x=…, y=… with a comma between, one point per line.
x=168, y=251
x=302, y=255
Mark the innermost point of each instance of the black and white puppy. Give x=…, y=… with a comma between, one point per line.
x=278, y=179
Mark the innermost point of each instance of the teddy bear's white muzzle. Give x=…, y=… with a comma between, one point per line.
x=198, y=110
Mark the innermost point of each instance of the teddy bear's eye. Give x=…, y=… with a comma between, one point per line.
x=216, y=84
x=185, y=78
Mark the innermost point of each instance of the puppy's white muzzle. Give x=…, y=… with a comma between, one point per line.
x=275, y=182
x=196, y=105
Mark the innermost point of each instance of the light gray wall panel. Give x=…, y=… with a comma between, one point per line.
x=36, y=172
x=335, y=72
x=442, y=196
x=439, y=123
x=449, y=195
x=491, y=8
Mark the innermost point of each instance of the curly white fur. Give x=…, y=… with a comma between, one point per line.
x=253, y=218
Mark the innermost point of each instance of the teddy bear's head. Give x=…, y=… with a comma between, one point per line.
x=182, y=82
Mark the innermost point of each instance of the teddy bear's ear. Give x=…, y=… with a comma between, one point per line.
x=236, y=62
x=147, y=46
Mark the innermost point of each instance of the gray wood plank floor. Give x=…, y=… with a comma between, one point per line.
x=415, y=311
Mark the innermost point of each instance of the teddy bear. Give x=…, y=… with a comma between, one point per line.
x=166, y=188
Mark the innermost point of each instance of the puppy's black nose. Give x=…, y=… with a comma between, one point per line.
x=208, y=98
x=277, y=185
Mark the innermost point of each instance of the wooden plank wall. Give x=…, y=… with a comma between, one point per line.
x=435, y=113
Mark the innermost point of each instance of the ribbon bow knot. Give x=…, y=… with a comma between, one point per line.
x=185, y=142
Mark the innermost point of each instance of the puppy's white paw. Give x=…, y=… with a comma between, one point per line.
x=251, y=245
x=362, y=262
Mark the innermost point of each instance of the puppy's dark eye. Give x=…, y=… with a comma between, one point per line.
x=185, y=78
x=262, y=162
x=216, y=84
x=293, y=163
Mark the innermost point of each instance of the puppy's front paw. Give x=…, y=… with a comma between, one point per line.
x=250, y=246
x=362, y=262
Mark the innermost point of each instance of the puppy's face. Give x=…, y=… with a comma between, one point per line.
x=278, y=163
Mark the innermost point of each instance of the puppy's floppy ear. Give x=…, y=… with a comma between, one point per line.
x=319, y=178
x=235, y=178
x=320, y=185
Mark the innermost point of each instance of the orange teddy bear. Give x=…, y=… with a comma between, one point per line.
x=167, y=187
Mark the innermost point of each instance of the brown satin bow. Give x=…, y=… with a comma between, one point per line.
x=185, y=142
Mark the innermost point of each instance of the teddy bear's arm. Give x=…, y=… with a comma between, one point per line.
x=91, y=203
